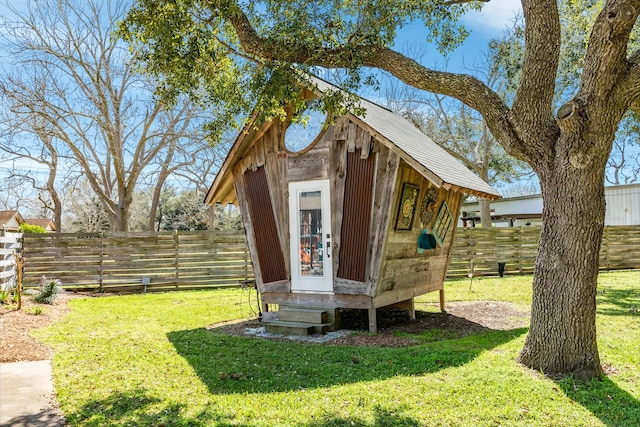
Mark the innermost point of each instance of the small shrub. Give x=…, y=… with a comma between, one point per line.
x=30, y=228
x=36, y=311
x=47, y=291
x=4, y=297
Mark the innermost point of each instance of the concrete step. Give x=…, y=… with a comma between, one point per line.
x=305, y=315
x=295, y=328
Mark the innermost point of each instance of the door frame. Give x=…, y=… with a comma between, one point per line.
x=310, y=283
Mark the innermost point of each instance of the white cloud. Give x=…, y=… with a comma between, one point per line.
x=495, y=17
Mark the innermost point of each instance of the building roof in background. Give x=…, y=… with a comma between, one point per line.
x=11, y=220
x=623, y=206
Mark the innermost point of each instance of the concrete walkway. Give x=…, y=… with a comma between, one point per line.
x=26, y=395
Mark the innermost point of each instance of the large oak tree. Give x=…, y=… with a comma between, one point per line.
x=209, y=46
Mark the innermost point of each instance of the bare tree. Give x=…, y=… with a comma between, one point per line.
x=623, y=166
x=44, y=154
x=460, y=130
x=77, y=85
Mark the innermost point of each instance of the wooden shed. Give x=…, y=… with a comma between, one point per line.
x=359, y=215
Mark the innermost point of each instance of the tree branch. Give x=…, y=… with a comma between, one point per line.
x=533, y=101
x=606, y=58
x=452, y=2
x=466, y=88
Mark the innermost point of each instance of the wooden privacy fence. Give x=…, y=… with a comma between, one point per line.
x=203, y=259
x=10, y=244
x=517, y=247
x=138, y=261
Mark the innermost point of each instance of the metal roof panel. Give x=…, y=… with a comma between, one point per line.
x=418, y=146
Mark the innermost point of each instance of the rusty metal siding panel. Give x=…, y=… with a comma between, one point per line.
x=270, y=253
x=356, y=219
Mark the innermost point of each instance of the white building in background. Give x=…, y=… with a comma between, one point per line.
x=623, y=208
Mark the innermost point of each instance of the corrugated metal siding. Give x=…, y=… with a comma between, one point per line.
x=623, y=205
x=356, y=220
x=268, y=246
x=520, y=206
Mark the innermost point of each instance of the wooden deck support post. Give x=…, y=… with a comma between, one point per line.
x=373, y=323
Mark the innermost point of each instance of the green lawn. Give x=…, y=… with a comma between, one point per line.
x=147, y=360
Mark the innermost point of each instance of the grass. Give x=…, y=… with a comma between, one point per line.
x=147, y=360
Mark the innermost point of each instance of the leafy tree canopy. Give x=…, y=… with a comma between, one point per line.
x=193, y=47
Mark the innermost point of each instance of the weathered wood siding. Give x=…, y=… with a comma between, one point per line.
x=402, y=266
x=370, y=257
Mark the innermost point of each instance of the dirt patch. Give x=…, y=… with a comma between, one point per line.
x=16, y=344
x=396, y=329
x=495, y=315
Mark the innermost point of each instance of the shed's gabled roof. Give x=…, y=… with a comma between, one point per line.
x=418, y=149
x=394, y=131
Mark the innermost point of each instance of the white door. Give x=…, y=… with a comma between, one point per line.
x=310, y=231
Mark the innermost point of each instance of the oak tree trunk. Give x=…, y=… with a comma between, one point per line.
x=562, y=337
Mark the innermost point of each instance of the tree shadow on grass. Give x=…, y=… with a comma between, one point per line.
x=614, y=406
x=382, y=418
x=138, y=408
x=240, y=364
x=619, y=302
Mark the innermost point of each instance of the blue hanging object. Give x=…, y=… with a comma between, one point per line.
x=426, y=241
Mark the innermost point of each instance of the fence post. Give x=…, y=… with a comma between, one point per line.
x=101, y=273
x=604, y=249
x=4, y=268
x=520, y=251
x=177, y=256
x=246, y=262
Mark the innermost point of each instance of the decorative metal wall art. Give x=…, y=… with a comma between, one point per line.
x=428, y=206
x=443, y=223
x=407, y=208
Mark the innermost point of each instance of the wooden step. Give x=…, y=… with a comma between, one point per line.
x=295, y=328
x=304, y=315
x=332, y=316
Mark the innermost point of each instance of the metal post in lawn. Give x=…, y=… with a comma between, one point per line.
x=470, y=272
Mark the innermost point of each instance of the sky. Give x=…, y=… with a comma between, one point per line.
x=489, y=23
x=494, y=17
